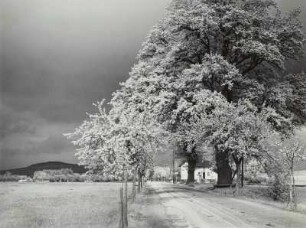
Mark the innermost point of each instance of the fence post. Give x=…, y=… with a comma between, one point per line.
x=124, y=201
x=121, y=222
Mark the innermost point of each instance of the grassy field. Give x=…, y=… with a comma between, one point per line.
x=59, y=205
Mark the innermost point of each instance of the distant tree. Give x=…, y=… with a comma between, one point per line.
x=55, y=175
x=41, y=176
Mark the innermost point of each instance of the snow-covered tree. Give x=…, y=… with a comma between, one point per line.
x=236, y=48
x=297, y=101
x=192, y=110
x=214, y=56
x=236, y=129
x=93, y=141
x=142, y=138
x=111, y=142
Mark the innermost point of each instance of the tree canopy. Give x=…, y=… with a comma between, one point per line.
x=211, y=71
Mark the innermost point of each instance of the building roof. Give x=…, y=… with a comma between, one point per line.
x=203, y=164
x=200, y=163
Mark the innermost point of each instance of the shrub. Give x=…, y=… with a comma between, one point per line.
x=60, y=175
x=279, y=190
x=10, y=177
x=66, y=175
x=256, y=180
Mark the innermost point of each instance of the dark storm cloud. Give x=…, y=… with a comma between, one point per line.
x=12, y=122
x=57, y=51
x=26, y=137
x=57, y=58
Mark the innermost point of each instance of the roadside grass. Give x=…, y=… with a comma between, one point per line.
x=59, y=205
x=147, y=211
x=301, y=199
x=258, y=193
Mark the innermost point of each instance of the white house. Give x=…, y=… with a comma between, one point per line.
x=300, y=177
x=161, y=173
x=300, y=173
x=202, y=173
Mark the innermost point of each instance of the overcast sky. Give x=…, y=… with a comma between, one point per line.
x=57, y=58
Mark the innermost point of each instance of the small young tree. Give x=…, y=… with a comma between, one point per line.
x=282, y=153
x=109, y=143
x=291, y=151
x=146, y=135
x=115, y=143
x=95, y=140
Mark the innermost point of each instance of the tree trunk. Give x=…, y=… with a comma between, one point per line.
x=242, y=172
x=191, y=168
x=223, y=169
x=134, y=184
x=239, y=167
x=122, y=210
x=238, y=177
x=139, y=181
x=173, y=167
x=293, y=191
x=292, y=194
x=125, y=198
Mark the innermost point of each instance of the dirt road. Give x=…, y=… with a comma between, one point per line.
x=166, y=205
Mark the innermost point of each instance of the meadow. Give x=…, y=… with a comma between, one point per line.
x=59, y=204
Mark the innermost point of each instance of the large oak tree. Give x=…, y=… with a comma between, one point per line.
x=235, y=48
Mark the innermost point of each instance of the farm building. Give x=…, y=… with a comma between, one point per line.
x=300, y=174
x=203, y=172
x=161, y=173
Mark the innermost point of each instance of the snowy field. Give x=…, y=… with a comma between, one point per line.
x=59, y=205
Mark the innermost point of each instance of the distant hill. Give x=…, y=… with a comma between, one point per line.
x=29, y=171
